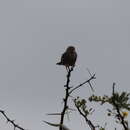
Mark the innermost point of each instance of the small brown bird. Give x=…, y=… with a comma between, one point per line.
x=68, y=58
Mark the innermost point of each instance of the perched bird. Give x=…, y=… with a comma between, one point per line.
x=68, y=58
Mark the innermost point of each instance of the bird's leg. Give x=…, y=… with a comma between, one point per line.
x=67, y=68
x=72, y=68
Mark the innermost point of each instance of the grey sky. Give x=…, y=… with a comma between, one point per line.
x=33, y=35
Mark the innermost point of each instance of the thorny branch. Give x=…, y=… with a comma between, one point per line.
x=66, y=97
x=11, y=121
x=91, y=125
x=68, y=92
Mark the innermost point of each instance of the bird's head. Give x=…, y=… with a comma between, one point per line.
x=70, y=49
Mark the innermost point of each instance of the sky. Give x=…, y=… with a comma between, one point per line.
x=34, y=34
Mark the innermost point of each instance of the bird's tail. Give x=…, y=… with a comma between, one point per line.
x=59, y=63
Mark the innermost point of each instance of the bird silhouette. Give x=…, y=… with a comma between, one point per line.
x=68, y=58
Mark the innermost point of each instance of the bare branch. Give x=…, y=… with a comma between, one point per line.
x=11, y=121
x=87, y=81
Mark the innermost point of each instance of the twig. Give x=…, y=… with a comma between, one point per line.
x=57, y=125
x=11, y=121
x=87, y=81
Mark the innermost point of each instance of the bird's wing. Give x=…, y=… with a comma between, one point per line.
x=64, y=58
x=75, y=56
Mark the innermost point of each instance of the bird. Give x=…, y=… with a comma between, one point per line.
x=68, y=58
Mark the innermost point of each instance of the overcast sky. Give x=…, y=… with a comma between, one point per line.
x=34, y=34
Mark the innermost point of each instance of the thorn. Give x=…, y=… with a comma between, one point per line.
x=91, y=86
x=89, y=72
x=53, y=114
x=52, y=124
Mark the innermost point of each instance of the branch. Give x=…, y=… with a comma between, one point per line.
x=57, y=125
x=120, y=117
x=11, y=121
x=91, y=125
x=87, y=81
x=66, y=97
